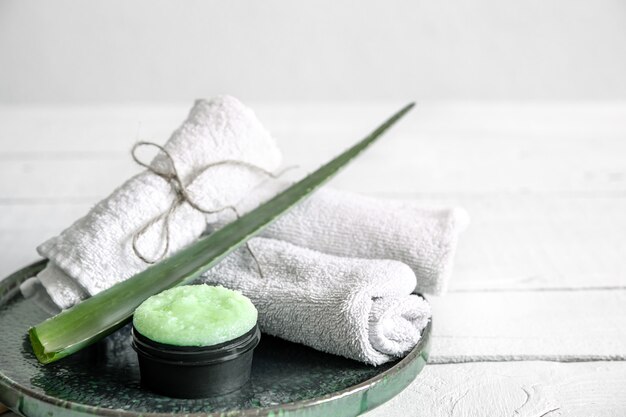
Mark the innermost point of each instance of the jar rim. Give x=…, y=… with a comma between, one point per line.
x=196, y=355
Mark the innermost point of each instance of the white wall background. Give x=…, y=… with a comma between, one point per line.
x=148, y=50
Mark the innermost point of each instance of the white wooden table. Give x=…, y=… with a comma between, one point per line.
x=535, y=321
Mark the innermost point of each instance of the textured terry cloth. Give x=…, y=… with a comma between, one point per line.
x=96, y=251
x=362, y=309
x=348, y=224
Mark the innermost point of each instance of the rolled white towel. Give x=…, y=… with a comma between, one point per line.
x=96, y=251
x=361, y=309
x=348, y=224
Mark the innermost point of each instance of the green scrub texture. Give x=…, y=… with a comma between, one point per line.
x=195, y=315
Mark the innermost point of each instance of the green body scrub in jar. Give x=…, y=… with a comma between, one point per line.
x=195, y=341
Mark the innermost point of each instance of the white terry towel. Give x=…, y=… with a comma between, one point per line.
x=348, y=224
x=96, y=251
x=362, y=309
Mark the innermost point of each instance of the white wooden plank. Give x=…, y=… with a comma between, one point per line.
x=443, y=149
x=112, y=127
x=515, y=242
x=59, y=180
x=524, y=389
x=399, y=164
x=541, y=242
x=544, y=325
x=24, y=227
x=63, y=130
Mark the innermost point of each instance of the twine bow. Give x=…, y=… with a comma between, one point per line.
x=182, y=196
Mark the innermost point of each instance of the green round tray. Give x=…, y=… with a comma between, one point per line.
x=288, y=379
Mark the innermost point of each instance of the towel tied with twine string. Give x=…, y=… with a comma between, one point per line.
x=182, y=196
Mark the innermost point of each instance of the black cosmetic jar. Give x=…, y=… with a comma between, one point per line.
x=195, y=371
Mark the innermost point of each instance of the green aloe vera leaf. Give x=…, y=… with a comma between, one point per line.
x=102, y=314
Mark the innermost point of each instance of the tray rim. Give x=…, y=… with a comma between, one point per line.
x=9, y=286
